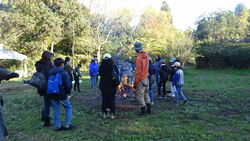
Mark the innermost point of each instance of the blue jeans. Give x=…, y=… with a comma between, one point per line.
x=56, y=107
x=151, y=92
x=93, y=81
x=179, y=92
x=157, y=78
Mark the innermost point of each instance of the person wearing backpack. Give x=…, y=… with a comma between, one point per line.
x=77, y=75
x=93, y=72
x=59, y=87
x=43, y=66
x=164, y=76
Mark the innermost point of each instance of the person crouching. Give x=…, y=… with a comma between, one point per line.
x=59, y=86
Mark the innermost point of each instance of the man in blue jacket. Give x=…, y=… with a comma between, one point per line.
x=62, y=96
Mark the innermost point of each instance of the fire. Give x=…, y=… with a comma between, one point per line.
x=125, y=89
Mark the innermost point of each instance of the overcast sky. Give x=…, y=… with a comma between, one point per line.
x=185, y=12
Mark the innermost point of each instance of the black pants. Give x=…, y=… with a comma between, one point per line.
x=108, y=101
x=163, y=84
x=77, y=84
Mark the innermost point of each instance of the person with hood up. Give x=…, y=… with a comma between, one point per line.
x=108, y=85
x=93, y=71
x=64, y=85
x=178, y=82
x=141, y=78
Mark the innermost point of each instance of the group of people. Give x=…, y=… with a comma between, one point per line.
x=145, y=75
x=59, y=76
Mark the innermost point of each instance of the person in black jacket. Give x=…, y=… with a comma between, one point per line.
x=108, y=85
x=61, y=97
x=164, y=76
x=67, y=68
x=77, y=75
x=44, y=65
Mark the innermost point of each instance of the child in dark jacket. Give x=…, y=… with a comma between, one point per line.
x=164, y=76
x=77, y=75
x=61, y=97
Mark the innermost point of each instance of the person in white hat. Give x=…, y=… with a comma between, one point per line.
x=108, y=85
x=178, y=82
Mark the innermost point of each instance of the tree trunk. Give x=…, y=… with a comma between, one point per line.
x=73, y=48
x=52, y=47
x=99, y=53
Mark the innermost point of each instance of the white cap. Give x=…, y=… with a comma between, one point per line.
x=106, y=56
x=176, y=64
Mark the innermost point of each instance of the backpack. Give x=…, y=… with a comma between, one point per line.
x=54, y=84
x=115, y=75
x=38, y=80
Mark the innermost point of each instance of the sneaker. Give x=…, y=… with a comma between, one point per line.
x=112, y=116
x=71, y=127
x=171, y=95
x=104, y=116
x=152, y=103
x=61, y=128
x=160, y=97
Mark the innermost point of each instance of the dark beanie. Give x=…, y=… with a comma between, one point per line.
x=58, y=62
x=67, y=59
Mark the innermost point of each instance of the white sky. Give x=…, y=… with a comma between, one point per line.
x=185, y=12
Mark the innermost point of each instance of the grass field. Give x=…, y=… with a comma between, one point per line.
x=219, y=110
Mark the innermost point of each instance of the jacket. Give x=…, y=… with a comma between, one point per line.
x=77, y=72
x=178, y=79
x=152, y=72
x=43, y=66
x=127, y=69
x=164, y=73
x=65, y=89
x=107, y=84
x=93, y=69
x=68, y=69
x=171, y=72
x=142, y=65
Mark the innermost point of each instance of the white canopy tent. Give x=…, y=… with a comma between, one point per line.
x=6, y=54
x=13, y=55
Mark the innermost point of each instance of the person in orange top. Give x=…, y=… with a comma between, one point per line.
x=141, y=82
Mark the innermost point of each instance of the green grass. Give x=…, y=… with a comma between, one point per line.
x=219, y=113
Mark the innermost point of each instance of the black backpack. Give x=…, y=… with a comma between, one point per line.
x=38, y=80
x=115, y=75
